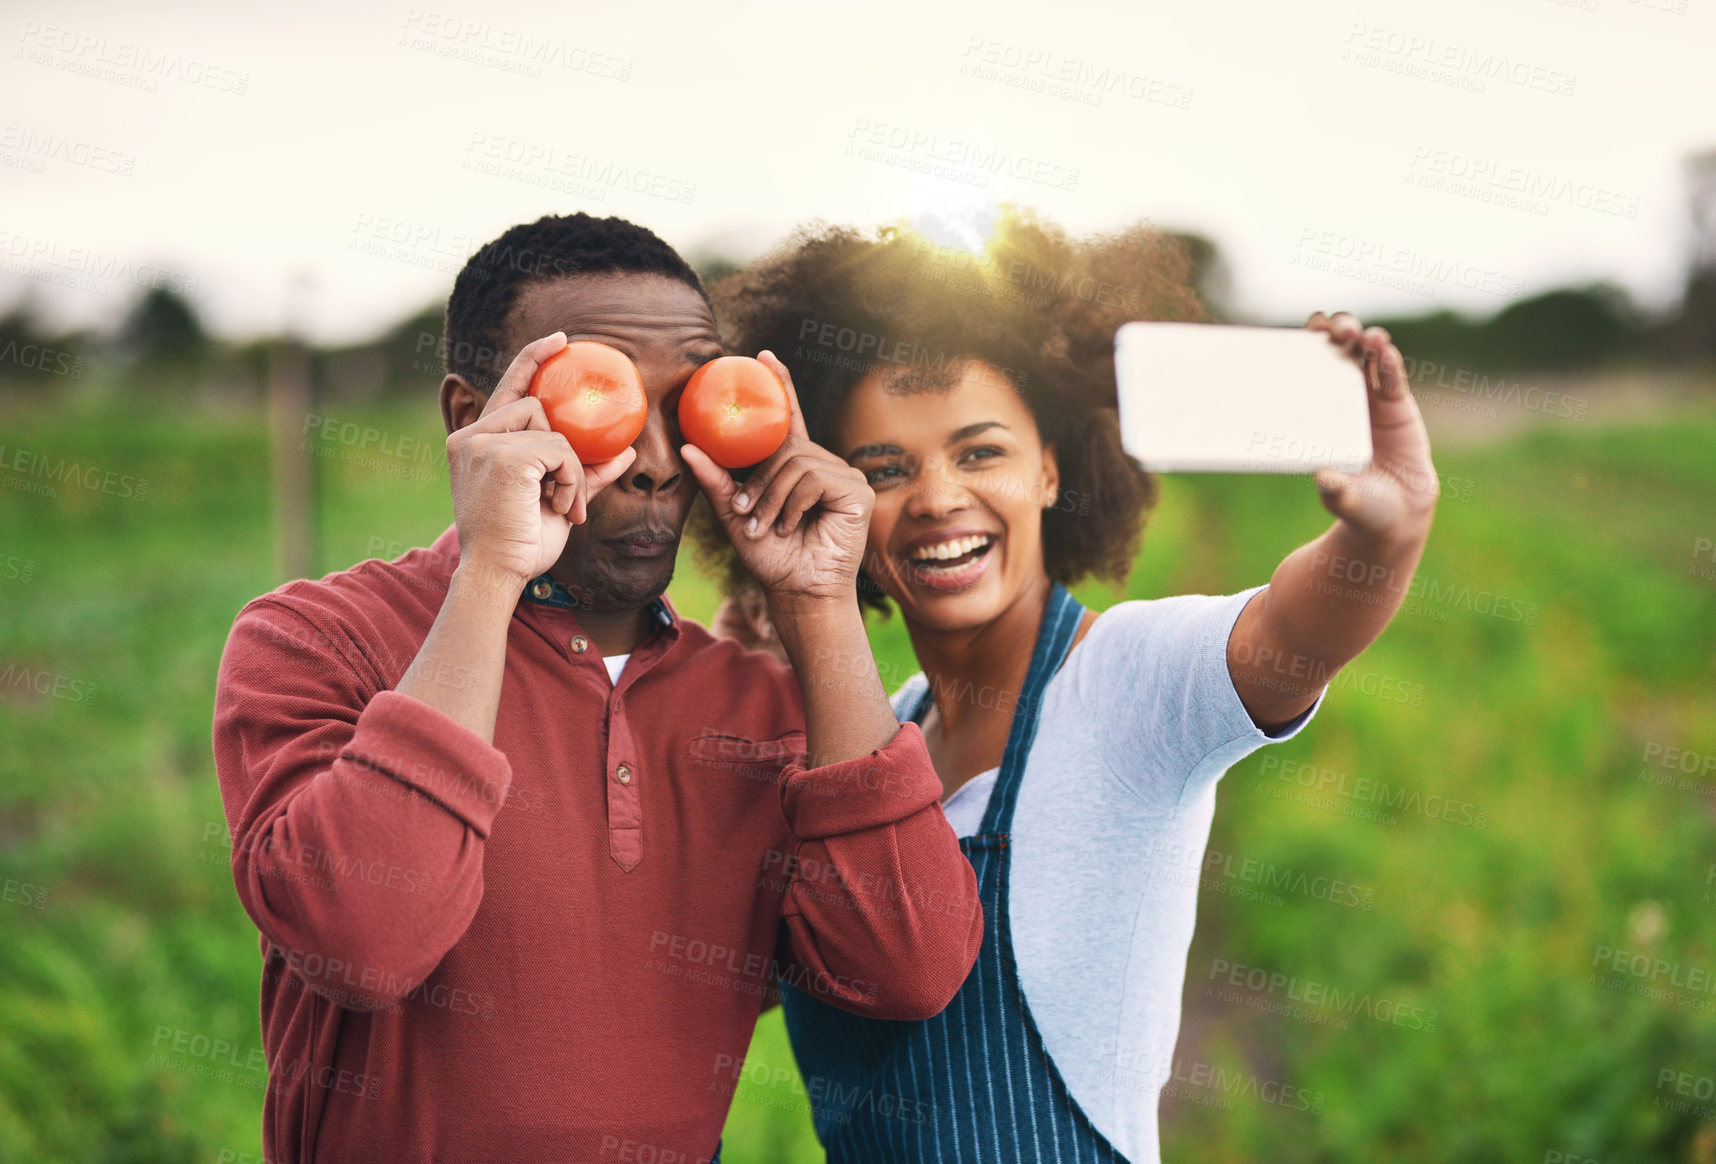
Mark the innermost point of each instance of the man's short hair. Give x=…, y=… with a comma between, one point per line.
x=555, y=246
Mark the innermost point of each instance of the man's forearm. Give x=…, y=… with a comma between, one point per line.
x=846, y=709
x=458, y=669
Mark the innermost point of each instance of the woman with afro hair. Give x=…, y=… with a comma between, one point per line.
x=1079, y=752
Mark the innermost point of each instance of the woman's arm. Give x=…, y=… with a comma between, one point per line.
x=1331, y=598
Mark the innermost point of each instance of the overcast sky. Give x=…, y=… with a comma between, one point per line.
x=1387, y=157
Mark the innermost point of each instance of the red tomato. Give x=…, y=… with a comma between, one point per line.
x=593, y=397
x=735, y=410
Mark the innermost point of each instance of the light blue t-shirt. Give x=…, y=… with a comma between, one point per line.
x=1108, y=840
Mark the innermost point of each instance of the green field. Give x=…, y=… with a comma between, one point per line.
x=1493, y=782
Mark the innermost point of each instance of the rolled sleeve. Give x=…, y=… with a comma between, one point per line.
x=885, y=787
x=883, y=917
x=433, y=753
x=311, y=760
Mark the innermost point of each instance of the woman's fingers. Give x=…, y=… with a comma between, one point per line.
x=1346, y=330
x=1391, y=378
x=1343, y=327
x=1378, y=358
x=1390, y=364
x=1373, y=502
x=1393, y=411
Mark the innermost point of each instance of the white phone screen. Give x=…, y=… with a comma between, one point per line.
x=1215, y=398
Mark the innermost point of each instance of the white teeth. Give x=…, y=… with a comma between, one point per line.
x=953, y=549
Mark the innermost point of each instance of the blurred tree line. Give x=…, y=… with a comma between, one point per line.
x=162, y=343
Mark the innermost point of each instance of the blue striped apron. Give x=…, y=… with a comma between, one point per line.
x=974, y=1083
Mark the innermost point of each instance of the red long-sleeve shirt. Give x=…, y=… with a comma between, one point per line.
x=554, y=947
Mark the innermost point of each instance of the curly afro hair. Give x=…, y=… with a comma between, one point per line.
x=836, y=305
x=553, y=247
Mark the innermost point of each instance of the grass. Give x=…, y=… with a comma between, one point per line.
x=1469, y=1014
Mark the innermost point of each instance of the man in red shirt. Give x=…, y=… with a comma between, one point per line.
x=525, y=847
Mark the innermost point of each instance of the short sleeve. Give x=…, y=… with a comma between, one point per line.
x=905, y=700
x=1154, y=675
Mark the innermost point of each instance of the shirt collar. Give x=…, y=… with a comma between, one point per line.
x=546, y=591
x=662, y=613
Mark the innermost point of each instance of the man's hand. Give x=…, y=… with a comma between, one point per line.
x=1393, y=499
x=800, y=523
x=801, y=520
x=518, y=488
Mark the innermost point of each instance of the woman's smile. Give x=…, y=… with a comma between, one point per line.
x=948, y=560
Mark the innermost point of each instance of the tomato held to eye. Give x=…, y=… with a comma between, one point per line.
x=735, y=410
x=594, y=397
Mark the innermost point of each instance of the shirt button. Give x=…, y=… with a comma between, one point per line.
x=624, y=774
x=542, y=589
x=580, y=644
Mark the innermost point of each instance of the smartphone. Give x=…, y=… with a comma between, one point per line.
x=1215, y=398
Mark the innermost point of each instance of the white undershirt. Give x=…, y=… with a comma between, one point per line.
x=615, y=664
